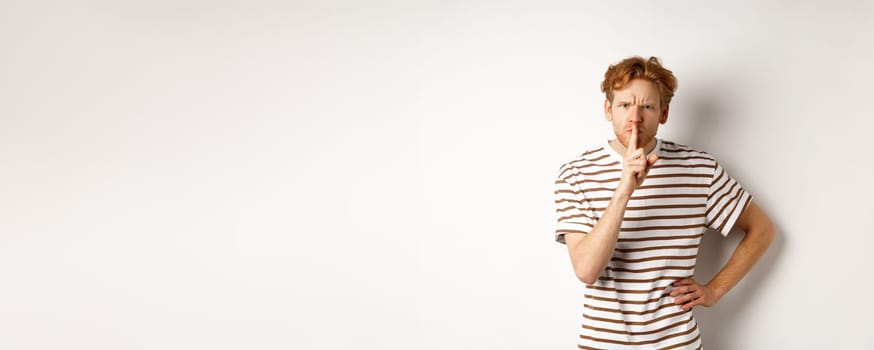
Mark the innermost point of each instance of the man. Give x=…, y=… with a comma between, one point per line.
x=632, y=213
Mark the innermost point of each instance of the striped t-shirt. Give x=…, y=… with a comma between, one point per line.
x=685, y=193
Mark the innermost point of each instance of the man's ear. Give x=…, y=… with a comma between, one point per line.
x=608, y=113
x=664, y=118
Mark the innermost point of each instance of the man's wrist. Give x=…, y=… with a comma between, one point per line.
x=623, y=188
x=622, y=194
x=718, y=292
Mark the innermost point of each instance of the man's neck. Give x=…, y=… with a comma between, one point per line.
x=621, y=149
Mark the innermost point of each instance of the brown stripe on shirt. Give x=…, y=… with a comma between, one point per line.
x=651, y=269
x=628, y=291
x=618, y=301
x=626, y=312
x=654, y=228
x=636, y=323
x=633, y=250
x=660, y=257
x=679, y=345
x=663, y=217
x=647, y=342
x=642, y=280
x=630, y=333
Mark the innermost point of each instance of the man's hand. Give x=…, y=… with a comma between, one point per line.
x=688, y=293
x=635, y=165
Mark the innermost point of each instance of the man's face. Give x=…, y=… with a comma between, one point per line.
x=638, y=103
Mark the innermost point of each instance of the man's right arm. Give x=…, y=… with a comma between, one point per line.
x=591, y=252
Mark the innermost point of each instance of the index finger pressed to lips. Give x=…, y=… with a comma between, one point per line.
x=632, y=140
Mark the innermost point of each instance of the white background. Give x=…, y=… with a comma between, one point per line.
x=378, y=175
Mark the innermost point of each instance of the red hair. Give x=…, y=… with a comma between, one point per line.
x=619, y=75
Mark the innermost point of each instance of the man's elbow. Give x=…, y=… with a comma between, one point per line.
x=766, y=234
x=770, y=234
x=588, y=277
x=757, y=226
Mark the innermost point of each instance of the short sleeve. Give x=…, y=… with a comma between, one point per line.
x=573, y=211
x=726, y=200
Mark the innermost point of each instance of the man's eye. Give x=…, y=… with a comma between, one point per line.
x=647, y=107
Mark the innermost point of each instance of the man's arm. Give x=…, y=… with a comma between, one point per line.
x=759, y=233
x=591, y=252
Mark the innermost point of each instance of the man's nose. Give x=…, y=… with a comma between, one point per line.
x=634, y=117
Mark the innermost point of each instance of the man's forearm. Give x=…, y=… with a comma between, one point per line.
x=754, y=244
x=591, y=253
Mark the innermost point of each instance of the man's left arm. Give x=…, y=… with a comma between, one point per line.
x=759, y=233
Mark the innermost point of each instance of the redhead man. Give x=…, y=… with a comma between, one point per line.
x=632, y=212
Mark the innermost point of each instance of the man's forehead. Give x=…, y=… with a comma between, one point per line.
x=636, y=92
x=629, y=94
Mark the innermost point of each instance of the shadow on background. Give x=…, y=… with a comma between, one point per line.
x=713, y=253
